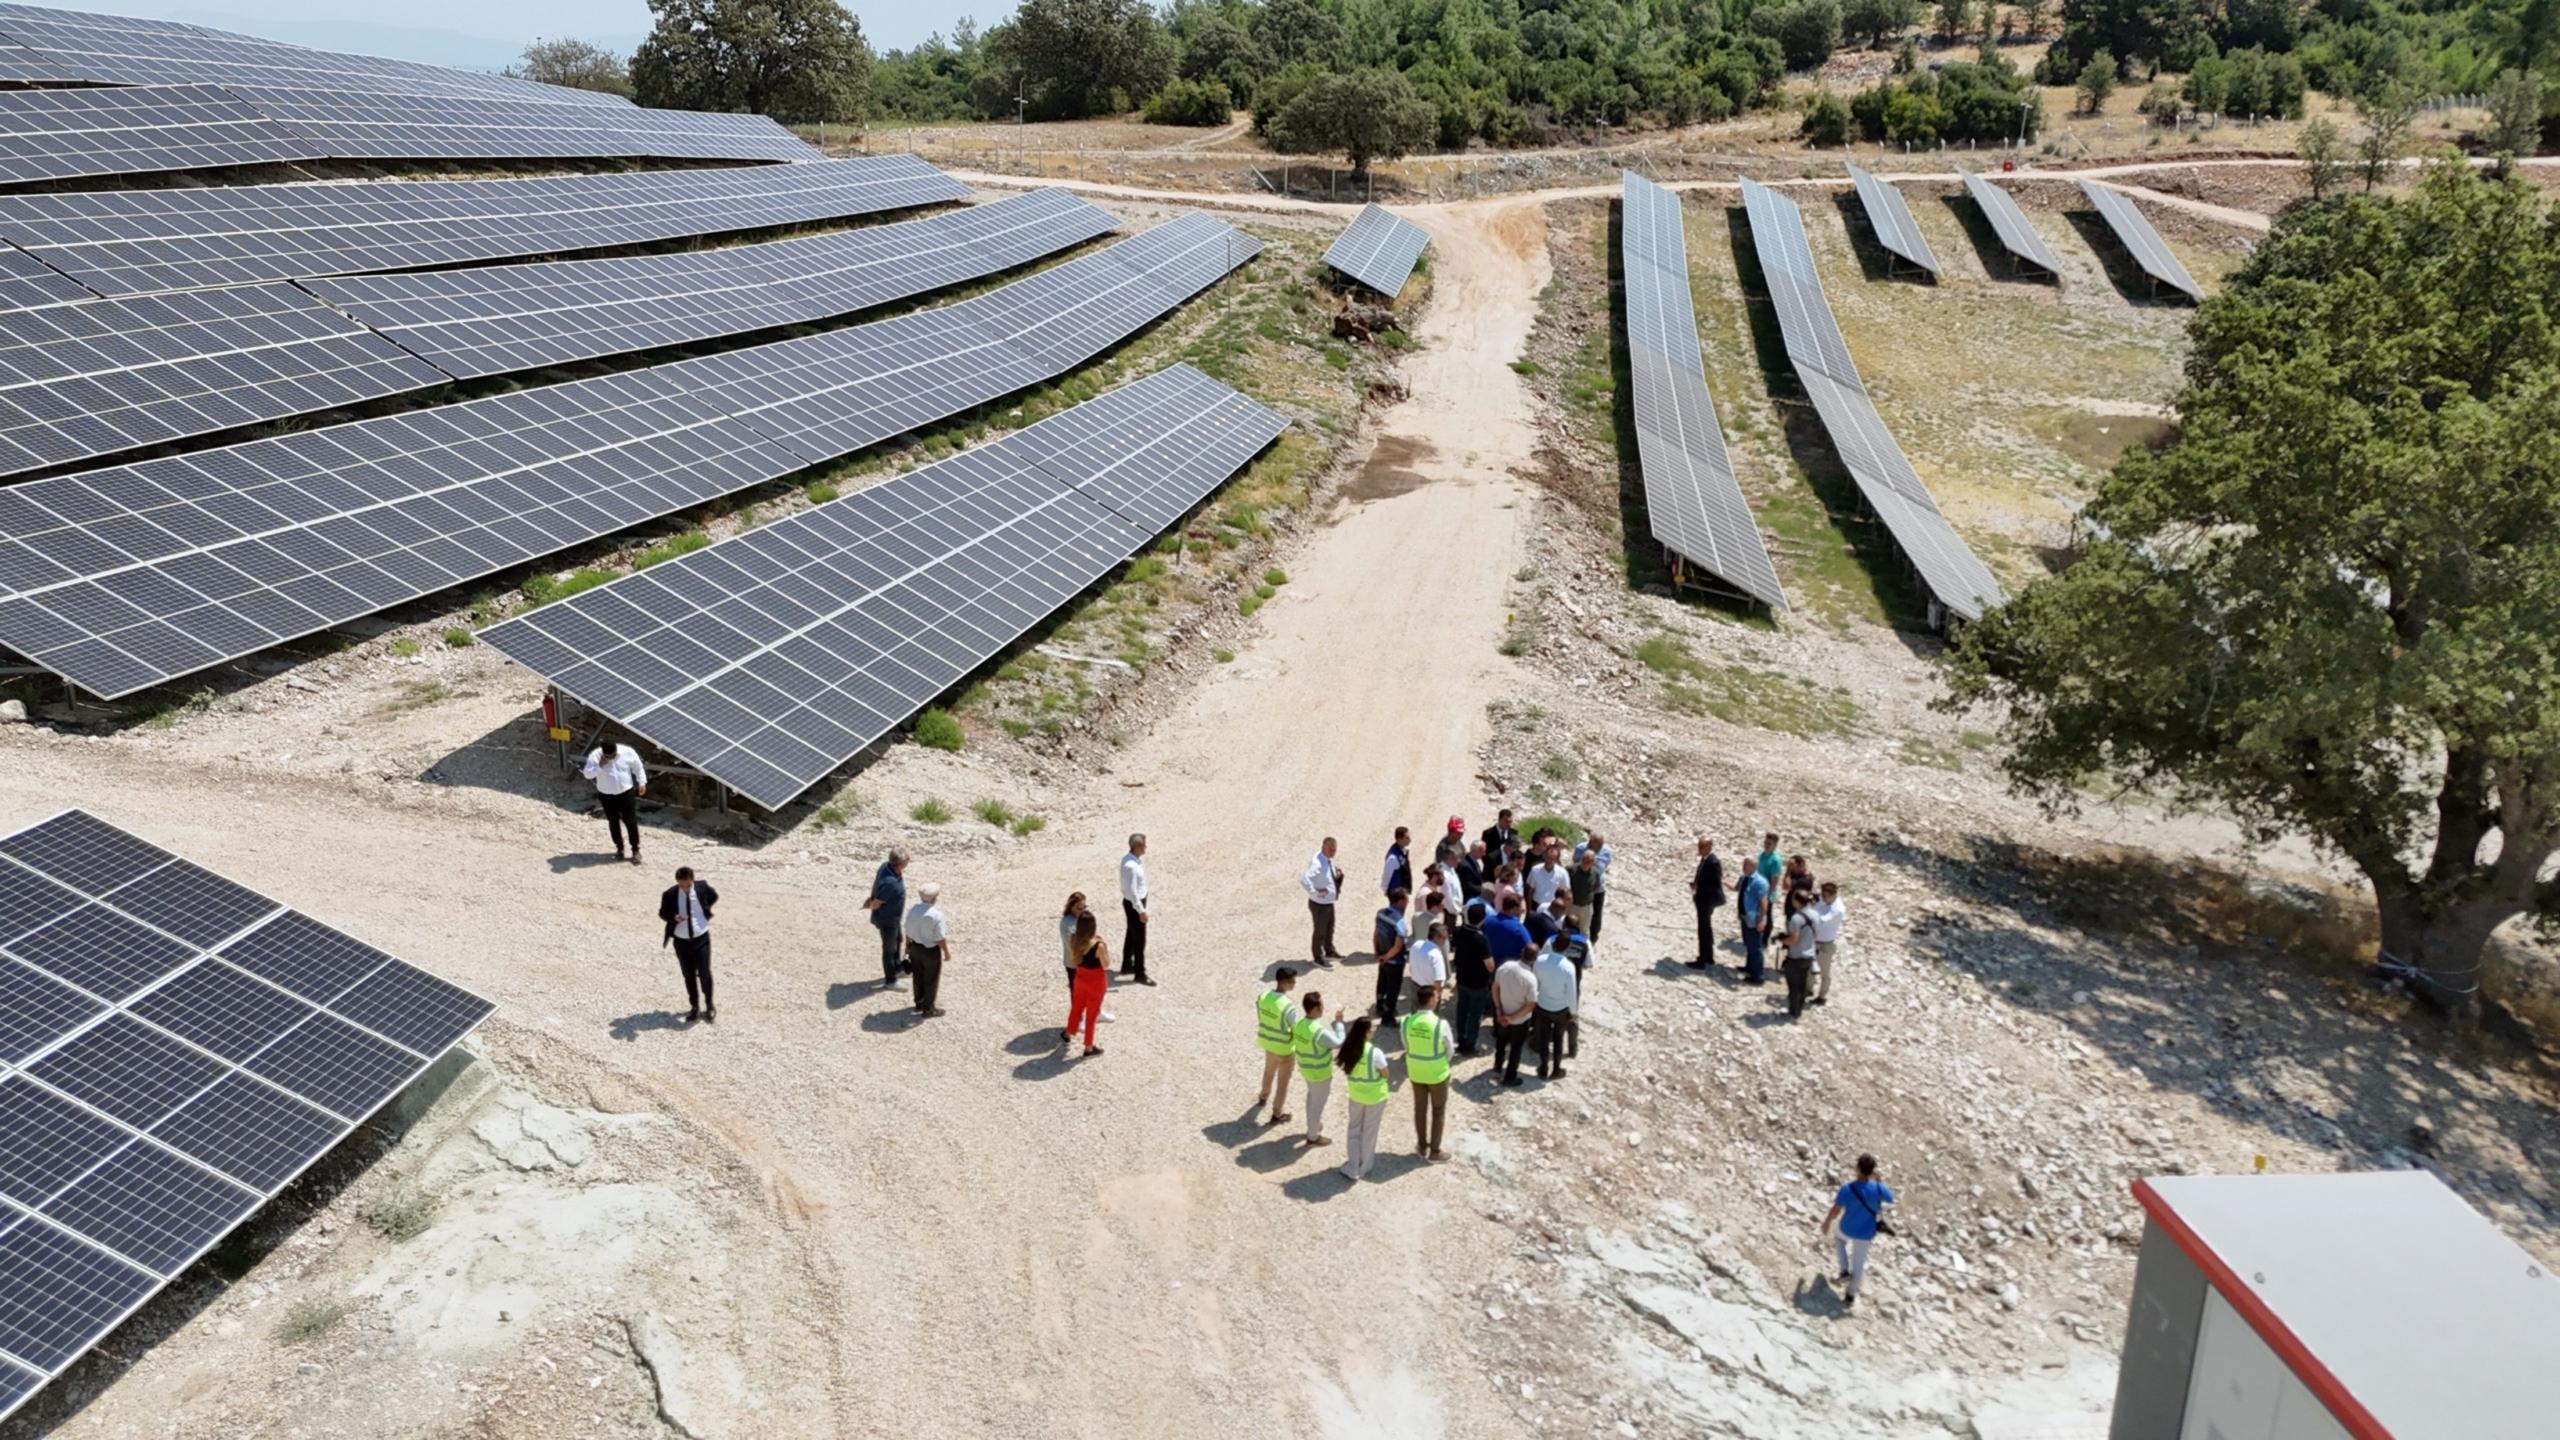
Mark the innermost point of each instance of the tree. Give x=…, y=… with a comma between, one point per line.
x=1295, y=30
x=1086, y=57
x=1807, y=31
x=1191, y=102
x=1366, y=114
x=575, y=64
x=1826, y=119
x=2097, y=81
x=2515, y=113
x=1906, y=57
x=2388, y=112
x=2329, y=604
x=2032, y=15
x=1217, y=48
x=795, y=60
x=2324, y=156
x=1953, y=17
x=1875, y=19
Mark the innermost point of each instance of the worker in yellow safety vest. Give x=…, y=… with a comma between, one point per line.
x=1365, y=1073
x=1314, y=1042
x=1427, y=1043
x=1275, y=1021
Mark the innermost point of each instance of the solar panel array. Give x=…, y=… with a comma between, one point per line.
x=1378, y=250
x=120, y=578
x=1956, y=580
x=770, y=659
x=1693, y=504
x=174, y=1050
x=341, y=126
x=491, y=319
x=40, y=45
x=1891, y=219
x=2134, y=230
x=63, y=134
x=2009, y=222
x=135, y=242
x=85, y=380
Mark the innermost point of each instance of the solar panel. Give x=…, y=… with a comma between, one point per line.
x=26, y=281
x=65, y=134
x=1891, y=219
x=89, y=379
x=120, y=578
x=1693, y=504
x=343, y=126
x=2009, y=222
x=491, y=319
x=2134, y=230
x=1378, y=250
x=69, y=47
x=770, y=659
x=140, y=1124
x=132, y=242
x=1955, y=578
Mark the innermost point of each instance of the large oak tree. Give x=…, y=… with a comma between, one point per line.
x=796, y=60
x=2331, y=604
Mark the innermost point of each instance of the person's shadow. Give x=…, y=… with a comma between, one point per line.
x=1667, y=968
x=892, y=1022
x=629, y=1027
x=582, y=860
x=845, y=992
x=1817, y=1297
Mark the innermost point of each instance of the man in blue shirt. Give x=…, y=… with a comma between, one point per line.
x=1505, y=935
x=888, y=907
x=1859, y=1211
x=1755, y=928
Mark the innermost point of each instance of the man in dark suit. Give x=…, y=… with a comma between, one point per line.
x=685, y=909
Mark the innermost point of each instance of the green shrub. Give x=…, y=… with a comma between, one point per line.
x=402, y=1214
x=1247, y=604
x=1559, y=768
x=1191, y=102
x=994, y=812
x=820, y=492
x=1275, y=576
x=937, y=730
x=1028, y=824
x=1223, y=655
x=406, y=647
x=1571, y=831
x=308, y=1320
x=458, y=637
x=670, y=548
x=929, y=812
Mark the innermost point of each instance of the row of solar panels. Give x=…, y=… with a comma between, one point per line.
x=772, y=658
x=174, y=1049
x=1899, y=234
x=58, y=247
x=91, y=379
x=121, y=578
x=1693, y=504
x=74, y=134
x=40, y=45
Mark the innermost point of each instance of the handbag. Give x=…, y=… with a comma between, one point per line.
x=1883, y=1226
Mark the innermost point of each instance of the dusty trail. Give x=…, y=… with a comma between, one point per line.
x=1030, y=1243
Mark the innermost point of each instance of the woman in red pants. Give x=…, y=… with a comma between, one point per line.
x=1092, y=976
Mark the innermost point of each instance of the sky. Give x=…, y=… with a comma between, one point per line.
x=491, y=32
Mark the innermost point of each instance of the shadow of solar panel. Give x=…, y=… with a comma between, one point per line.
x=131, y=242
x=348, y=126
x=491, y=319
x=1957, y=582
x=2009, y=222
x=1378, y=250
x=88, y=379
x=1694, y=506
x=2140, y=240
x=1890, y=218
x=845, y=619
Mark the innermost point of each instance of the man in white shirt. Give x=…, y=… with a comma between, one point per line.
x=1547, y=880
x=1598, y=850
x=620, y=782
x=1515, y=1011
x=1827, y=915
x=1559, y=997
x=1322, y=881
x=685, y=909
x=1428, y=968
x=928, y=933
x=1133, y=911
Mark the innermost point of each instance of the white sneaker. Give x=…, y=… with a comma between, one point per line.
x=1108, y=1017
x=895, y=985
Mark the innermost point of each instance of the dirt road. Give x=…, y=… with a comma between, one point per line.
x=1029, y=1243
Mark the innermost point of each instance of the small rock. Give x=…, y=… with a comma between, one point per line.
x=13, y=712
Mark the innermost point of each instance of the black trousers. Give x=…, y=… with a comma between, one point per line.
x=1799, y=973
x=926, y=962
x=1707, y=930
x=888, y=953
x=1133, y=942
x=1599, y=907
x=1390, y=986
x=622, y=813
x=1554, y=1028
x=1508, y=1042
x=1320, y=944
x=693, y=958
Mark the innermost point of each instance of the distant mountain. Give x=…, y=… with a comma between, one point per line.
x=399, y=42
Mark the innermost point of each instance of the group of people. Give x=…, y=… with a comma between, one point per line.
x=1809, y=924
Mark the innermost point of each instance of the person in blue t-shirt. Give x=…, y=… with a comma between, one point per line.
x=1504, y=934
x=1859, y=1211
x=1755, y=929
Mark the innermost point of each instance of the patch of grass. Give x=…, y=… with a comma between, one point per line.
x=1247, y=604
x=994, y=812
x=1525, y=367
x=1223, y=655
x=1916, y=750
x=929, y=812
x=543, y=589
x=418, y=695
x=1275, y=576
x=1768, y=699
x=1525, y=574
x=1570, y=830
x=820, y=492
x=406, y=647
x=937, y=730
x=167, y=716
x=308, y=1320
x=458, y=637
x=1029, y=824
x=1668, y=655
x=670, y=548
x=1559, y=768
x=1515, y=644
x=402, y=1214
x=827, y=818
x=1977, y=739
